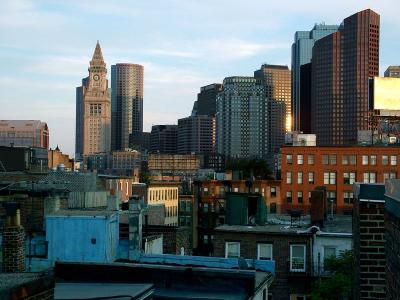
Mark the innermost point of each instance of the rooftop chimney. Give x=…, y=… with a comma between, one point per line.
x=13, y=240
x=318, y=206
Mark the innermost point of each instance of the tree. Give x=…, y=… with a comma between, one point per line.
x=254, y=168
x=339, y=286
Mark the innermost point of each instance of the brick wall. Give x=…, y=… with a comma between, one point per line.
x=32, y=210
x=173, y=238
x=285, y=283
x=392, y=225
x=369, y=250
x=14, y=249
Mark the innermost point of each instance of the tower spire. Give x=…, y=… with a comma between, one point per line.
x=97, y=55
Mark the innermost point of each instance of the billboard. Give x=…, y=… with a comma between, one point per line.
x=386, y=93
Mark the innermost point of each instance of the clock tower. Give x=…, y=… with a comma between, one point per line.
x=93, y=111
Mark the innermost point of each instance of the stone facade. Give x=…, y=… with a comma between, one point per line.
x=93, y=111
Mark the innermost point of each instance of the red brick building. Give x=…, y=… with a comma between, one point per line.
x=336, y=168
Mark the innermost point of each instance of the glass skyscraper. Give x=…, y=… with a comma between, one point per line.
x=301, y=54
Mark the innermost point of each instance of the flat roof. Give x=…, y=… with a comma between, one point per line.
x=280, y=224
x=82, y=213
x=11, y=280
x=120, y=291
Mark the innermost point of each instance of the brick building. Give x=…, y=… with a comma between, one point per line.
x=56, y=158
x=336, y=168
x=209, y=201
x=369, y=241
x=290, y=250
x=392, y=229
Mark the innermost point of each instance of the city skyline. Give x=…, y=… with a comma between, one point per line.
x=41, y=77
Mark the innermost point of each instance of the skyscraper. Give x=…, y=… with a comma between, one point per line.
x=205, y=104
x=164, y=139
x=241, y=118
x=127, y=105
x=342, y=63
x=277, y=86
x=196, y=134
x=301, y=54
x=93, y=109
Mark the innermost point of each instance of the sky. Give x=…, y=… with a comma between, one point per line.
x=46, y=46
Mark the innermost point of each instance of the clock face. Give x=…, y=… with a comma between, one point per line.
x=96, y=77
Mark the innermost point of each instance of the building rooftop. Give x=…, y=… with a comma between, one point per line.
x=120, y=291
x=170, y=281
x=281, y=224
x=13, y=285
x=22, y=124
x=82, y=213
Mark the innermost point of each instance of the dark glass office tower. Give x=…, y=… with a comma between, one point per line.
x=301, y=55
x=127, y=105
x=342, y=63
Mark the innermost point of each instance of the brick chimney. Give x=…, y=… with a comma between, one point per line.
x=13, y=240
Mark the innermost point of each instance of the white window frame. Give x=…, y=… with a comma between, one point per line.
x=364, y=160
x=289, y=178
x=311, y=177
x=393, y=160
x=299, y=177
x=304, y=256
x=300, y=159
x=226, y=249
x=264, y=244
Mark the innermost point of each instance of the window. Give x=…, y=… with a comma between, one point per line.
x=289, y=177
x=391, y=175
x=329, y=178
x=329, y=251
x=289, y=197
x=365, y=160
x=353, y=160
x=236, y=189
x=264, y=251
x=331, y=196
x=299, y=197
x=256, y=190
x=349, y=177
x=300, y=159
x=333, y=159
x=373, y=160
x=289, y=159
x=393, y=160
x=205, y=207
x=297, y=258
x=370, y=177
x=311, y=159
x=311, y=177
x=345, y=159
x=325, y=159
x=300, y=177
x=385, y=160
x=232, y=250
x=273, y=191
x=348, y=197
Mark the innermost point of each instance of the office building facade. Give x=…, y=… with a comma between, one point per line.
x=196, y=134
x=127, y=105
x=342, y=63
x=93, y=110
x=241, y=118
x=392, y=71
x=164, y=139
x=24, y=133
x=301, y=54
x=206, y=99
x=277, y=87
